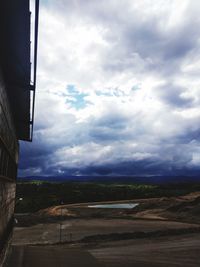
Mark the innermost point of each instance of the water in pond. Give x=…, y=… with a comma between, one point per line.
x=115, y=206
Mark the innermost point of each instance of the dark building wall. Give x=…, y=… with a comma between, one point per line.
x=16, y=104
x=15, y=61
x=8, y=170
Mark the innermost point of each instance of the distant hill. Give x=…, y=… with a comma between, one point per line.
x=115, y=179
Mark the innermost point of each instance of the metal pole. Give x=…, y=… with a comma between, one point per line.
x=61, y=203
x=60, y=224
x=35, y=63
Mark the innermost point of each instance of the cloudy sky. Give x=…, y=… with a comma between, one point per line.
x=118, y=89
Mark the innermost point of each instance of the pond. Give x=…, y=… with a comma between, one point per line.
x=115, y=206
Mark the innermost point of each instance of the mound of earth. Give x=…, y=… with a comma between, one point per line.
x=185, y=208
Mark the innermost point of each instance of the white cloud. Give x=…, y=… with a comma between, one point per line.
x=134, y=69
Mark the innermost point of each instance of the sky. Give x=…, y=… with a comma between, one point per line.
x=118, y=89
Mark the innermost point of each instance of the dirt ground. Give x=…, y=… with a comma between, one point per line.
x=160, y=232
x=182, y=251
x=77, y=229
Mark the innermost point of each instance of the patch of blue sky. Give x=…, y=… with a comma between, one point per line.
x=99, y=93
x=117, y=92
x=136, y=87
x=113, y=92
x=45, y=2
x=77, y=99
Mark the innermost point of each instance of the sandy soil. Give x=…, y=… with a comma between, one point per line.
x=159, y=232
x=184, y=208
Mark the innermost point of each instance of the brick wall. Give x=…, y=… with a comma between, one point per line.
x=8, y=171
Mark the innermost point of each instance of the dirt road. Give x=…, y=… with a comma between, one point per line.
x=182, y=251
x=77, y=229
x=51, y=256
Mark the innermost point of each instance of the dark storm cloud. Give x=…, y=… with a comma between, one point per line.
x=162, y=51
x=34, y=157
x=174, y=96
x=129, y=168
